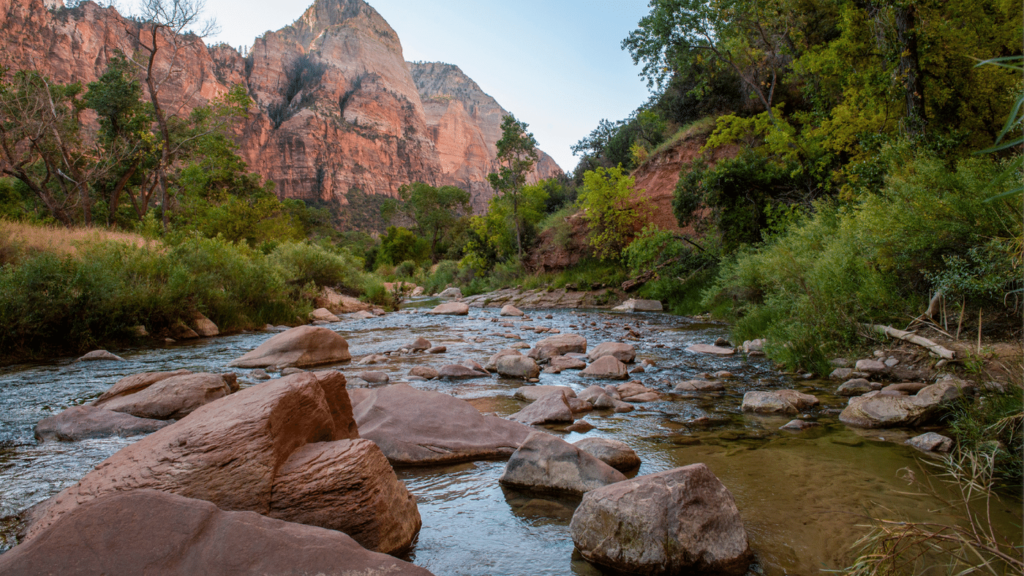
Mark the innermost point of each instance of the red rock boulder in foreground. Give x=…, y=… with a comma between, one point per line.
x=160, y=534
x=287, y=448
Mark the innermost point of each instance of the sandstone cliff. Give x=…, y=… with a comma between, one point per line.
x=336, y=107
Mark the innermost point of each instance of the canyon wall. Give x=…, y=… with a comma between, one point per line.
x=335, y=105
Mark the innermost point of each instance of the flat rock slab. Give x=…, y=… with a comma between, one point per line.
x=636, y=305
x=451, y=309
x=153, y=532
x=777, y=402
x=99, y=355
x=558, y=345
x=299, y=347
x=82, y=422
x=459, y=372
x=681, y=521
x=533, y=393
x=550, y=409
x=931, y=442
x=710, y=349
x=420, y=428
x=699, y=386
x=549, y=464
x=174, y=397
x=616, y=454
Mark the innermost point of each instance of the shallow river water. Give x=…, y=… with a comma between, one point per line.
x=803, y=496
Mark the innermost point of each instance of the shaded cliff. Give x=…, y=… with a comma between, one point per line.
x=336, y=107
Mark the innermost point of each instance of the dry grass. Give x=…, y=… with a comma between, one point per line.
x=18, y=239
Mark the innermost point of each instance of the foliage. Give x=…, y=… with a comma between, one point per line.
x=994, y=426
x=434, y=211
x=517, y=154
x=303, y=263
x=497, y=235
x=399, y=245
x=611, y=208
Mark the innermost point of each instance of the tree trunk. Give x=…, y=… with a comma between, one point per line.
x=909, y=67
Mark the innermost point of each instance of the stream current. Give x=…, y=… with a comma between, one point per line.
x=804, y=497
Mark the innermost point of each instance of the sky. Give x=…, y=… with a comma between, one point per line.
x=556, y=64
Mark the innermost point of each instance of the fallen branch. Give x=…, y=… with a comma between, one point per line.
x=934, y=348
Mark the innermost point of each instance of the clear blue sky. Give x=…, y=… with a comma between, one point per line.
x=555, y=64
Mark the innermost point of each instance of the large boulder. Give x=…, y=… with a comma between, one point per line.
x=237, y=453
x=549, y=464
x=172, y=398
x=681, y=521
x=778, y=402
x=451, y=309
x=636, y=305
x=157, y=533
x=203, y=326
x=420, y=428
x=620, y=351
x=517, y=367
x=323, y=315
x=510, y=310
x=614, y=453
x=875, y=410
x=299, y=347
x=558, y=345
x=492, y=362
x=550, y=409
x=136, y=382
x=82, y=422
x=460, y=372
x=607, y=368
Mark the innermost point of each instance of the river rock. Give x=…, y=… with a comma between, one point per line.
x=711, y=349
x=154, y=532
x=870, y=366
x=534, y=393
x=451, y=309
x=620, y=407
x=174, y=397
x=492, y=362
x=425, y=372
x=624, y=353
x=232, y=452
x=580, y=426
x=607, y=368
x=634, y=305
x=203, y=326
x=299, y=347
x=135, y=383
x=634, y=389
x=348, y=486
x=797, y=425
x=323, y=315
x=550, y=409
x=754, y=347
x=510, y=310
x=421, y=428
x=931, y=442
x=459, y=372
x=259, y=374
x=419, y=345
x=591, y=393
x=374, y=377
x=841, y=374
x=699, y=386
x=906, y=388
x=99, y=355
x=777, y=402
x=856, y=387
x=437, y=350
x=558, y=345
x=681, y=521
x=360, y=315
x=549, y=464
x=616, y=454
x=566, y=363
x=82, y=422
x=874, y=410
x=517, y=367
x=450, y=293
x=373, y=359
x=473, y=364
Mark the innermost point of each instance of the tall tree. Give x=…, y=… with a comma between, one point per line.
x=517, y=153
x=434, y=210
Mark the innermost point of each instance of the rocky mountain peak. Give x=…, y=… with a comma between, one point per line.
x=356, y=14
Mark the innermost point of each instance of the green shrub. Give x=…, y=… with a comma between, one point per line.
x=444, y=273
x=303, y=263
x=406, y=270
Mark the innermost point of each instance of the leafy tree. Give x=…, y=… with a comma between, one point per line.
x=517, y=153
x=434, y=210
x=401, y=244
x=493, y=235
x=611, y=209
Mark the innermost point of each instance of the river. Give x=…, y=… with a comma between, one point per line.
x=803, y=496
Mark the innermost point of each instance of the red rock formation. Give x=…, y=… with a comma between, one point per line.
x=336, y=105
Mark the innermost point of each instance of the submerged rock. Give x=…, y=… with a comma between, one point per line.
x=681, y=521
x=778, y=402
x=550, y=409
x=459, y=372
x=155, y=532
x=699, y=386
x=420, y=428
x=550, y=464
x=83, y=422
x=299, y=347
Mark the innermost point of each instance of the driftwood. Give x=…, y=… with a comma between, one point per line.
x=932, y=347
